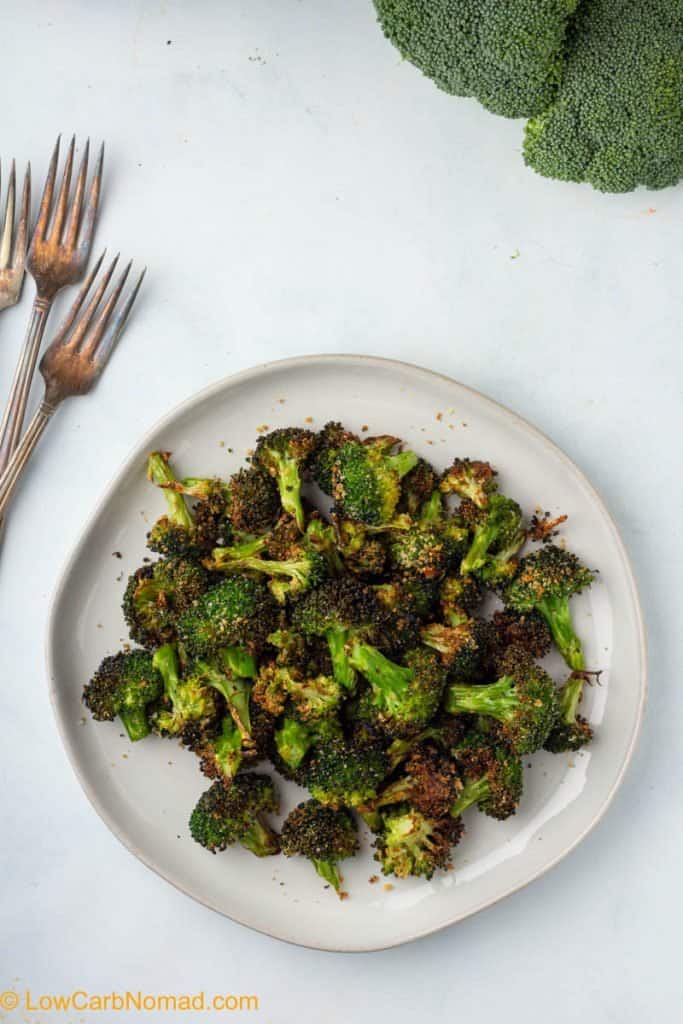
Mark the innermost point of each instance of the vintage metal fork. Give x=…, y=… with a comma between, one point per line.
x=13, y=258
x=74, y=359
x=57, y=256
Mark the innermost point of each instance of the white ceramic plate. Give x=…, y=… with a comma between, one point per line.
x=145, y=791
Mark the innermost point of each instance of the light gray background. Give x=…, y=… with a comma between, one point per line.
x=295, y=188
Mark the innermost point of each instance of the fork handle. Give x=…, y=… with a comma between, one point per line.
x=19, y=460
x=13, y=419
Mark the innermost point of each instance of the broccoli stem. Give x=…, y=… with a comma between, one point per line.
x=473, y=791
x=403, y=462
x=293, y=570
x=240, y=662
x=327, y=869
x=234, y=688
x=293, y=740
x=389, y=680
x=341, y=667
x=161, y=474
x=166, y=661
x=259, y=840
x=228, y=748
x=570, y=696
x=289, y=486
x=498, y=700
x=224, y=557
x=432, y=510
x=484, y=536
x=556, y=612
x=135, y=723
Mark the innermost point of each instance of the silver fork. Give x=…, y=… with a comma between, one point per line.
x=57, y=256
x=13, y=259
x=75, y=359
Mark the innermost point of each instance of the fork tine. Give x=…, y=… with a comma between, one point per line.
x=90, y=345
x=93, y=200
x=75, y=309
x=78, y=335
x=60, y=210
x=46, y=201
x=77, y=203
x=23, y=225
x=8, y=226
x=105, y=342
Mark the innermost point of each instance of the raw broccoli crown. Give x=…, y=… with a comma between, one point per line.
x=239, y=611
x=411, y=844
x=225, y=815
x=343, y=773
x=504, y=54
x=127, y=681
x=156, y=594
x=252, y=501
x=617, y=119
x=550, y=573
x=318, y=832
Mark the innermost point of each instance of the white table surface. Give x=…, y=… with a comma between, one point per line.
x=295, y=188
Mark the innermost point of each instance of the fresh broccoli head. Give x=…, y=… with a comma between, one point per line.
x=285, y=455
x=409, y=843
x=366, y=480
x=157, y=594
x=524, y=702
x=571, y=731
x=124, y=685
x=240, y=611
x=344, y=773
x=491, y=774
x=545, y=582
x=506, y=55
x=227, y=815
x=617, y=118
x=322, y=835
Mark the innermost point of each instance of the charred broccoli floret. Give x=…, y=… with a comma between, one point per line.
x=366, y=480
x=221, y=756
x=188, y=707
x=413, y=595
x=400, y=698
x=459, y=598
x=571, y=731
x=491, y=777
x=249, y=501
x=417, y=487
x=231, y=672
x=157, y=594
x=322, y=835
x=527, y=630
x=498, y=536
x=329, y=440
x=125, y=684
x=423, y=552
x=524, y=701
x=463, y=648
x=544, y=583
x=471, y=479
x=344, y=773
x=224, y=816
x=429, y=783
x=176, y=533
x=295, y=736
x=312, y=696
x=411, y=844
x=285, y=455
x=238, y=612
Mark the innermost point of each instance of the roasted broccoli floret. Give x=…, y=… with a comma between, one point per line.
x=188, y=707
x=400, y=698
x=470, y=479
x=221, y=756
x=417, y=487
x=157, y=594
x=312, y=696
x=498, y=536
x=491, y=777
x=329, y=440
x=231, y=672
x=366, y=480
x=524, y=702
x=423, y=552
x=545, y=582
x=322, y=835
x=463, y=648
x=459, y=598
x=528, y=630
x=295, y=736
x=238, y=612
x=177, y=533
x=344, y=773
x=285, y=455
x=428, y=782
x=412, y=595
x=125, y=684
x=409, y=843
x=248, y=502
x=227, y=815
x=571, y=731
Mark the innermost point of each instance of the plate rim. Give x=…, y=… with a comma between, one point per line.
x=235, y=380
